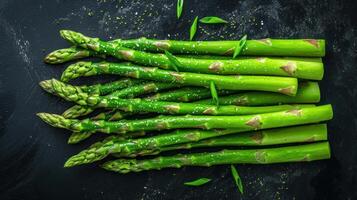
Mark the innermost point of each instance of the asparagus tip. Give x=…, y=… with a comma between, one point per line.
x=46, y=85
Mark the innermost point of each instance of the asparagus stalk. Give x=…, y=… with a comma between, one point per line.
x=284, y=85
x=130, y=92
x=308, y=92
x=168, y=142
x=260, y=66
x=299, y=153
x=250, y=122
x=273, y=47
x=72, y=93
x=233, y=125
x=73, y=53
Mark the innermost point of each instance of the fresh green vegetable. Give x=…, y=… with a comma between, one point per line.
x=237, y=179
x=173, y=60
x=214, y=94
x=250, y=122
x=179, y=8
x=299, y=153
x=241, y=44
x=198, y=182
x=262, y=47
x=213, y=20
x=193, y=28
x=285, y=85
x=256, y=66
x=226, y=138
x=308, y=92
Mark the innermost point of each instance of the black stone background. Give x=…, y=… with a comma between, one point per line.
x=32, y=153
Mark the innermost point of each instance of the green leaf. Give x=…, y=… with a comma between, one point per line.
x=179, y=8
x=240, y=46
x=237, y=179
x=214, y=93
x=193, y=28
x=198, y=182
x=175, y=63
x=213, y=20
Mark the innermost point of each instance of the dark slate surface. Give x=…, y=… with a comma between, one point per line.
x=32, y=154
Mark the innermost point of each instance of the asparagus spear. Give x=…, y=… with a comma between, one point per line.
x=308, y=92
x=270, y=47
x=299, y=153
x=284, y=85
x=72, y=93
x=130, y=92
x=260, y=66
x=168, y=142
x=69, y=54
x=251, y=122
x=240, y=124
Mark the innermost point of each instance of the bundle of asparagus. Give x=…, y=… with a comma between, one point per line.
x=256, y=101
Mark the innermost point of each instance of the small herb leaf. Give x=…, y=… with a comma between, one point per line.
x=179, y=8
x=174, y=61
x=240, y=46
x=193, y=28
x=198, y=182
x=214, y=93
x=213, y=20
x=237, y=179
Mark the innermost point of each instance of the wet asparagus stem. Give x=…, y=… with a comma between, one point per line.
x=106, y=88
x=186, y=94
x=72, y=93
x=284, y=85
x=251, y=122
x=273, y=47
x=299, y=153
x=257, y=66
x=308, y=92
x=161, y=143
x=70, y=54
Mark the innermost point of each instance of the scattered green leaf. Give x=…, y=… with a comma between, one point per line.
x=213, y=20
x=198, y=182
x=214, y=93
x=193, y=28
x=179, y=8
x=237, y=179
x=240, y=46
x=174, y=61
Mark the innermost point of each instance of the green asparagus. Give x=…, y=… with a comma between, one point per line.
x=130, y=92
x=300, y=153
x=240, y=124
x=251, y=122
x=296, y=134
x=248, y=66
x=284, y=85
x=262, y=47
x=74, y=94
x=308, y=92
